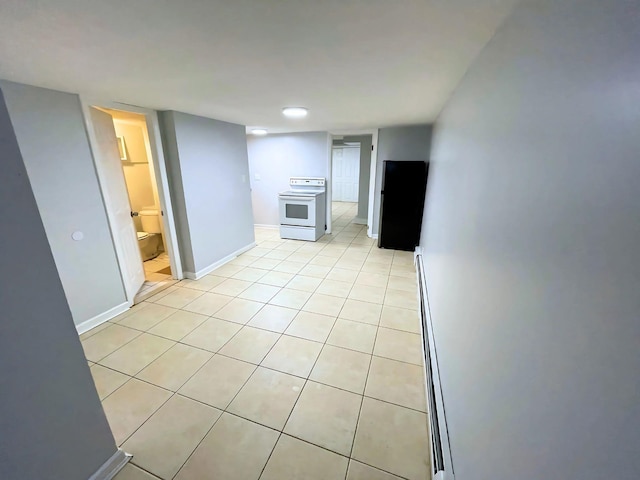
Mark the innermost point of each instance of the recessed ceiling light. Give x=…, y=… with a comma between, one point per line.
x=259, y=131
x=295, y=112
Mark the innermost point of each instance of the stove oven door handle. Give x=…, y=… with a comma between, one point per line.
x=296, y=199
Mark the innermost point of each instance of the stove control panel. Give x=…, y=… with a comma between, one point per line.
x=307, y=181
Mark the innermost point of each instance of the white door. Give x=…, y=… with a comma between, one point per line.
x=115, y=193
x=346, y=173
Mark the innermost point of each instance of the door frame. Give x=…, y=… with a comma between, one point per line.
x=372, y=171
x=159, y=169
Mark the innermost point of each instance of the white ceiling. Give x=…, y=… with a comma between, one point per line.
x=355, y=64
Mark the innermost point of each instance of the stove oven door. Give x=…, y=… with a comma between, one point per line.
x=298, y=211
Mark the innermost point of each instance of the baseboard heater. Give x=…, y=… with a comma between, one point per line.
x=441, y=464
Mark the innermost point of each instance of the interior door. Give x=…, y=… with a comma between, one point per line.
x=346, y=173
x=116, y=195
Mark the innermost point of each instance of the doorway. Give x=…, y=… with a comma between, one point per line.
x=133, y=181
x=345, y=170
x=345, y=160
x=350, y=172
x=142, y=190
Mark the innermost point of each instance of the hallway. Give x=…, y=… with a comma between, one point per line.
x=296, y=360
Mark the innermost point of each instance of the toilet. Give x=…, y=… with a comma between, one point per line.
x=150, y=238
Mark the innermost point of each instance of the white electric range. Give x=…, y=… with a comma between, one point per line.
x=303, y=209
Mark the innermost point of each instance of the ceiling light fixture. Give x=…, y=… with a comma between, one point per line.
x=295, y=112
x=259, y=131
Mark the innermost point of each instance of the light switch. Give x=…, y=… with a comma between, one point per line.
x=244, y=179
x=257, y=176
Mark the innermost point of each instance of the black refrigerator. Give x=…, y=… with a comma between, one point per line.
x=403, y=188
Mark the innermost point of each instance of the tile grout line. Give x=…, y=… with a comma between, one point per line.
x=382, y=305
x=292, y=409
x=141, y=468
x=202, y=439
x=173, y=393
x=313, y=254
x=242, y=325
x=245, y=324
x=364, y=391
x=304, y=386
x=257, y=365
x=231, y=401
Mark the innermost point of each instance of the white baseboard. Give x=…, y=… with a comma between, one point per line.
x=434, y=396
x=201, y=273
x=262, y=225
x=360, y=221
x=111, y=467
x=374, y=236
x=418, y=256
x=101, y=318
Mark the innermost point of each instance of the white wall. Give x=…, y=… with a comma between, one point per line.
x=532, y=235
x=399, y=143
x=366, y=141
x=136, y=168
x=209, y=178
x=55, y=148
x=51, y=421
x=174, y=178
x=276, y=158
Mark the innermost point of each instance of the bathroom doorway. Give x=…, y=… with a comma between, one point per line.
x=130, y=167
x=142, y=189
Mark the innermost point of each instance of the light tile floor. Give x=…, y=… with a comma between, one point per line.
x=155, y=265
x=296, y=360
x=154, y=281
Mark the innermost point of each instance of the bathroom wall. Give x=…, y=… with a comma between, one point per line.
x=52, y=424
x=136, y=168
x=55, y=148
x=209, y=180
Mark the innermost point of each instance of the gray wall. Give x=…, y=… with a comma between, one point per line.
x=51, y=421
x=174, y=173
x=276, y=158
x=207, y=162
x=532, y=235
x=399, y=143
x=53, y=142
x=365, y=172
